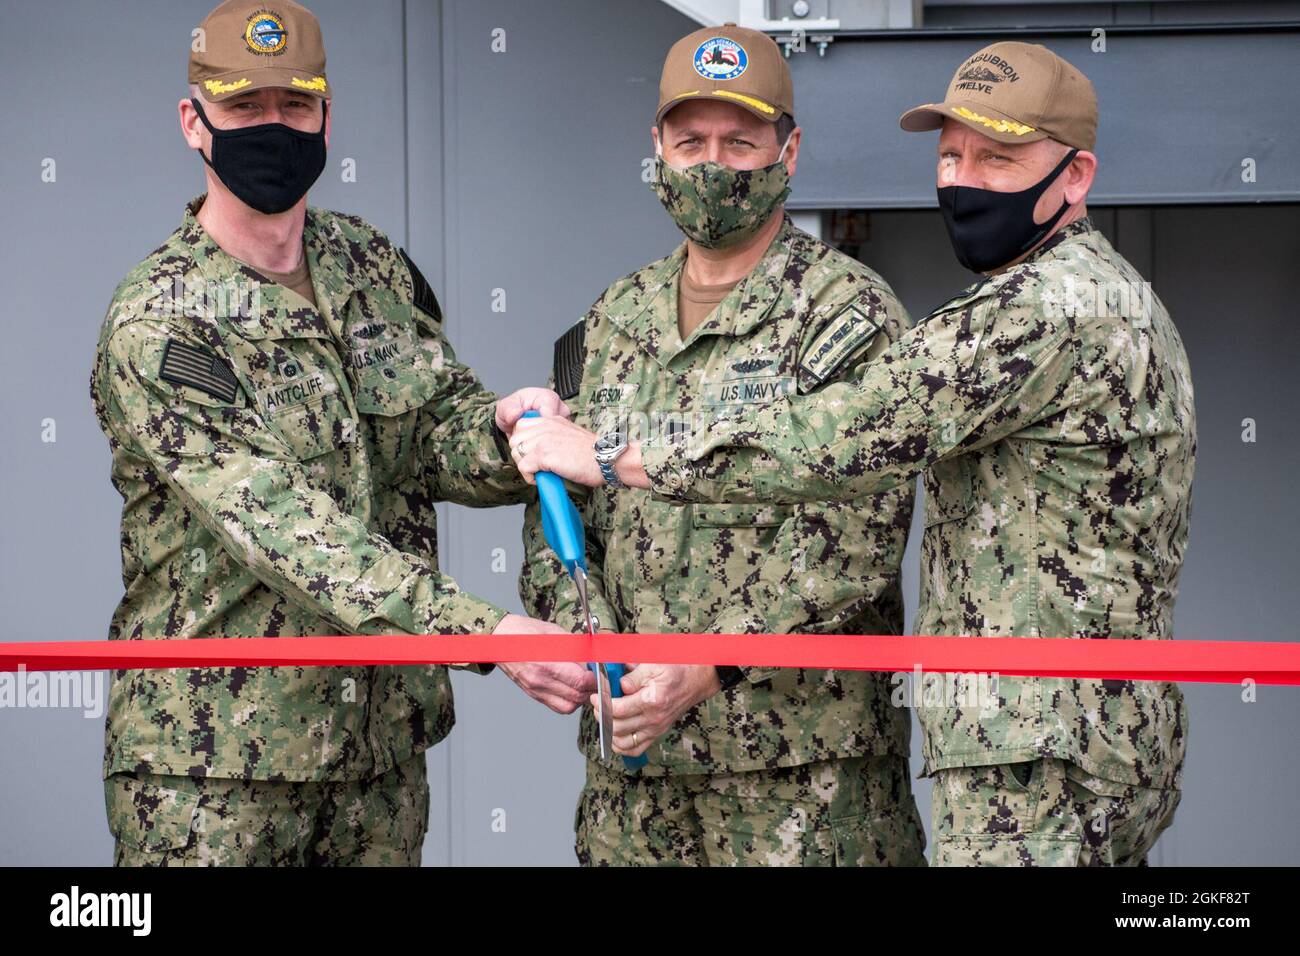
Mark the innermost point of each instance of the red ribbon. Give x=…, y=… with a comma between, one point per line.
x=1226, y=662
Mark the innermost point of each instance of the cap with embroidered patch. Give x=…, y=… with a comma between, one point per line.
x=731, y=64
x=1016, y=93
x=245, y=46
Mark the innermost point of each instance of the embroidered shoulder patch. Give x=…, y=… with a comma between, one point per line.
x=198, y=367
x=848, y=331
x=570, y=358
x=424, y=298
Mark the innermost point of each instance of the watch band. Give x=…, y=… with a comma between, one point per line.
x=607, y=448
x=609, y=474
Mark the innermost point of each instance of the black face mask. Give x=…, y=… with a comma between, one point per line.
x=269, y=167
x=989, y=229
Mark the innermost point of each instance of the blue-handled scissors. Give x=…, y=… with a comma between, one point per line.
x=562, y=526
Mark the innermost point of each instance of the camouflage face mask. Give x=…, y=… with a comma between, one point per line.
x=717, y=206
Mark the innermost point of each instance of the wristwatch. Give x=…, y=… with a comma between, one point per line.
x=608, y=447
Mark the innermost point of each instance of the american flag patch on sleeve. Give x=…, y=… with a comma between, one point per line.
x=197, y=367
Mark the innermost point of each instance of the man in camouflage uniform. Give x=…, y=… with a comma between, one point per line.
x=280, y=446
x=1049, y=407
x=746, y=765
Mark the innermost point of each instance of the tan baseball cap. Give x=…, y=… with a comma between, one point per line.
x=727, y=63
x=251, y=46
x=1016, y=93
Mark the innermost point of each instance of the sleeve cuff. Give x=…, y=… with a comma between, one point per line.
x=572, y=616
x=499, y=439
x=672, y=476
x=466, y=614
x=695, y=472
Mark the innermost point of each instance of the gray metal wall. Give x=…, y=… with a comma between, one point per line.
x=1181, y=113
x=521, y=171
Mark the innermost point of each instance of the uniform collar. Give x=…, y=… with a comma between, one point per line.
x=1016, y=275
x=276, y=315
x=647, y=314
x=1080, y=227
x=337, y=272
x=986, y=285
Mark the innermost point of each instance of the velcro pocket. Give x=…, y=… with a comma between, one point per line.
x=949, y=490
x=982, y=849
x=148, y=816
x=396, y=376
x=740, y=516
x=390, y=391
x=316, y=427
x=893, y=840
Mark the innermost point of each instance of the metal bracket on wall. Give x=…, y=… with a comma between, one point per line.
x=797, y=41
x=755, y=14
x=808, y=16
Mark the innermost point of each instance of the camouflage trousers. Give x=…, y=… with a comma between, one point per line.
x=212, y=821
x=1047, y=812
x=851, y=812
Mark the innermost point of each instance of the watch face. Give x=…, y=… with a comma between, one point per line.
x=609, y=443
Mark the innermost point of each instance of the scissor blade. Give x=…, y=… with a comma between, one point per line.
x=606, y=715
x=580, y=579
x=604, y=699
